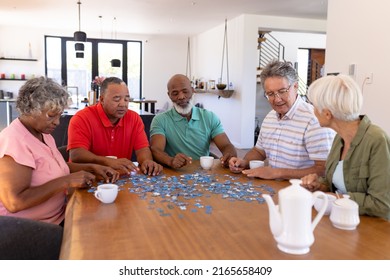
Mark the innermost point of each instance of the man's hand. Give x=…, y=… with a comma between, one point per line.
x=266, y=172
x=225, y=159
x=180, y=160
x=151, y=168
x=123, y=165
x=237, y=165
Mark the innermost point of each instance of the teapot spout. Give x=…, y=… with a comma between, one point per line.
x=275, y=219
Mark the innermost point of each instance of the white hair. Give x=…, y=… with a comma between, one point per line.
x=339, y=94
x=184, y=110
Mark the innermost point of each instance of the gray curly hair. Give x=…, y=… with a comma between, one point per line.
x=39, y=94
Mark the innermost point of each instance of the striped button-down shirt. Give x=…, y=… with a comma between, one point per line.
x=296, y=140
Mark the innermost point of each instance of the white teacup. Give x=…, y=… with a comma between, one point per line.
x=107, y=193
x=256, y=164
x=206, y=162
x=319, y=201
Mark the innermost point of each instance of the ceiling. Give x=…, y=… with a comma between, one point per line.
x=166, y=17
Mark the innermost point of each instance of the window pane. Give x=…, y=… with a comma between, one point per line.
x=53, y=53
x=134, y=68
x=78, y=76
x=79, y=71
x=106, y=53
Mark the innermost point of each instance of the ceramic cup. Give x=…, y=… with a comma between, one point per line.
x=320, y=200
x=206, y=162
x=256, y=163
x=107, y=193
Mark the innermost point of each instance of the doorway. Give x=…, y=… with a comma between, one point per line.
x=311, y=64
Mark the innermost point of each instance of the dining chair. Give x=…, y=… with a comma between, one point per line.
x=25, y=239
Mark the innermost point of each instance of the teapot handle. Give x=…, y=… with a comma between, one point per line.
x=322, y=210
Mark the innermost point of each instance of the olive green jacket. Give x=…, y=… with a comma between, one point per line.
x=366, y=169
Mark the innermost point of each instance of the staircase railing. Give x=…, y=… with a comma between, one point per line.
x=302, y=88
x=269, y=48
x=314, y=71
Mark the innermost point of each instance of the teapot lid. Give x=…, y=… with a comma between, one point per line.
x=295, y=190
x=345, y=202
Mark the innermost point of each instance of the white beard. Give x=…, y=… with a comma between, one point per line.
x=184, y=110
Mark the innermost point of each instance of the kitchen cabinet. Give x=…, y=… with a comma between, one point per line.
x=8, y=112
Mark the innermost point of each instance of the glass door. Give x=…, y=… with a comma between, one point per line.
x=78, y=73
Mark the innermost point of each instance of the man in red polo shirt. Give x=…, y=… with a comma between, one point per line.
x=109, y=128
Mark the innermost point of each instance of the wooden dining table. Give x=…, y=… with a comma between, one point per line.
x=213, y=227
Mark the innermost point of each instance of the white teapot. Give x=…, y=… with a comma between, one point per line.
x=345, y=213
x=291, y=220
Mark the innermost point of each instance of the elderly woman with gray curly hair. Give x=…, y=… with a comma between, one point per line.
x=35, y=178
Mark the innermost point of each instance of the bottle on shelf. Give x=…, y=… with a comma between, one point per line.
x=29, y=51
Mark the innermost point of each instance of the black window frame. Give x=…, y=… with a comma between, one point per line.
x=95, y=62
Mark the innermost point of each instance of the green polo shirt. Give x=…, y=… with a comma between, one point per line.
x=191, y=137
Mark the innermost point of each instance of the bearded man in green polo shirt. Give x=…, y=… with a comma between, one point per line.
x=184, y=133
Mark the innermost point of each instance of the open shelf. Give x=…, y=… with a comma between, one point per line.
x=226, y=93
x=8, y=79
x=20, y=59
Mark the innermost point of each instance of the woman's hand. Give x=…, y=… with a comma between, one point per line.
x=80, y=179
x=311, y=182
x=108, y=174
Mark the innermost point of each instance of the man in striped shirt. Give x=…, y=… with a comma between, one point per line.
x=291, y=138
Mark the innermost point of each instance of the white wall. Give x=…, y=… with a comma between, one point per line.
x=241, y=50
x=357, y=33
x=14, y=43
x=165, y=56
x=292, y=41
x=238, y=112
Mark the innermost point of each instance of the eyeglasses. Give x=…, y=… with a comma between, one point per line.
x=51, y=117
x=280, y=93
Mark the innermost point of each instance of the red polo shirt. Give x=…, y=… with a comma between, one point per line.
x=91, y=129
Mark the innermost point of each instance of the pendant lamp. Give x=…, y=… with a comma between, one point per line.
x=79, y=47
x=80, y=36
x=114, y=62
